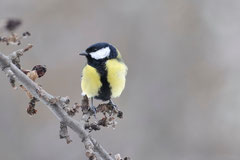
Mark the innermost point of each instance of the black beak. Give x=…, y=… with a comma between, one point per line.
x=83, y=53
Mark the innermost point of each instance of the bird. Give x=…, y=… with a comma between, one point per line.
x=104, y=75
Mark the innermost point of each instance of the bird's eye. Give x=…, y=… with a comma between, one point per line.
x=94, y=49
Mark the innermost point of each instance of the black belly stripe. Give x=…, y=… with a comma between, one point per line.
x=104, y=92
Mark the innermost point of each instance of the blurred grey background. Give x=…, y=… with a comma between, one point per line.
x=182, y=98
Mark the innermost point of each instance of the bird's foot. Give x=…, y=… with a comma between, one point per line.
x=93, y=110
x=115, y=107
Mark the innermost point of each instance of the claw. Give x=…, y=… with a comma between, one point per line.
x=94, y=110
x=115, y=107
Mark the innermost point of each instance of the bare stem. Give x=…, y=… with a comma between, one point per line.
x=93, y=148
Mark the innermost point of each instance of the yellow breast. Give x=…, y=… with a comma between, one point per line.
x=116, y=76
x=90, y=81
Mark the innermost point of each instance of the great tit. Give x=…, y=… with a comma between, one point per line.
x=104, y=76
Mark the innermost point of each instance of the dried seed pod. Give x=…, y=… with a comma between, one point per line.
x=120, y=114
x=12, y=24
x=40, y=69
x=25, y=34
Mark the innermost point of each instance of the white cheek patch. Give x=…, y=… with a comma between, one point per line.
x=100, y=54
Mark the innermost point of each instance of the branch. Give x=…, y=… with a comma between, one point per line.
x=93, y=149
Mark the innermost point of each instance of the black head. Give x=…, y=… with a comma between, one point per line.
x=41, y=70
x=100, y=51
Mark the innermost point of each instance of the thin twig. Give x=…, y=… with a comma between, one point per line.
x=56, y=107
